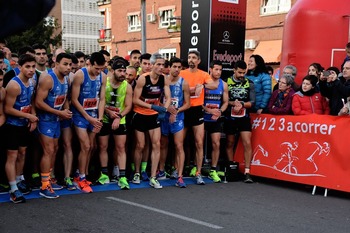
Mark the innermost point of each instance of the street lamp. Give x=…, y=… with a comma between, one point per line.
x=143, y=26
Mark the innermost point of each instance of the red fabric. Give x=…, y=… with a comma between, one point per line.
x=309, y=149
x=304, y=105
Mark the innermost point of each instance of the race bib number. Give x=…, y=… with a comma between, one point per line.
x=114, y=109
x=90, y=103
x=175, y=102
x=152, y=101
x=212, y=106
x=26, y=109
x=59, y=101
x=193, y=92
x=241, y=113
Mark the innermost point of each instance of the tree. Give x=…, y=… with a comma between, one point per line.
x=46, y=32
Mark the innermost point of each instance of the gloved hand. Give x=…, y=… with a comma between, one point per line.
x=159, y=109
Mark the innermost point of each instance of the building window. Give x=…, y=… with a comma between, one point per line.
x=270, y=7
x=166, y=17
x=168, y=53
x=134, y=22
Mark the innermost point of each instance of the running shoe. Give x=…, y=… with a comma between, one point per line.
x=214, y=176
x=161, y=175
x=48, y=192
x=84, y=186
x=193, y=171
x=180, y=183
x=17, y=197
x=76, y=180
x=54, y=185
x=104, y=179
x=144, y=176
x=123, y=183
x=155, y=183
x=35, y=182
x=69, y=184
x=174, y=175
x=220, y=173
x=199, y=179
x=24, y=187
x=136, y=179
x=248, y=178
x=114, y=178
x=4, y=188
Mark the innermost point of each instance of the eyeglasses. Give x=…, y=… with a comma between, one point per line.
x=282, y=82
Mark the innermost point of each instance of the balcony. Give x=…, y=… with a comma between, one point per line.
x=105, y=35
x=103, y=2
x=174, y=28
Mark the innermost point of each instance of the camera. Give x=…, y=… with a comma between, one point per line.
x=326, y=73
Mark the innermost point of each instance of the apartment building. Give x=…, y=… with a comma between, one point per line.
x=122, y=27
x=80, y=21
x=264, y=28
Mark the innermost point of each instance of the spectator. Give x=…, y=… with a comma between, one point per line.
x=315, y=69
x=338, y=90
x=292, y=70
x=327, y=89
x=273, y=79
x=257, y=73
x=308, y=100
x=281, y=99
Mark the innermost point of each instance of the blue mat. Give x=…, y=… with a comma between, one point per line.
x=4, y=197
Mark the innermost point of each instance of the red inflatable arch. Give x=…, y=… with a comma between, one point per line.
x=315, y=31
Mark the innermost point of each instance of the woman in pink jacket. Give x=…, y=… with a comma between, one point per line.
x=307, y=100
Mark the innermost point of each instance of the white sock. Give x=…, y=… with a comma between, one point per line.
x=116, y=171
x=18, y=179
x=13, y=186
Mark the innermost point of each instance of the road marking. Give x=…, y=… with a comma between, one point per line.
x=166, y=213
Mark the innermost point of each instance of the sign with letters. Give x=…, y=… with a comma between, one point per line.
x=216, y=28
x=311, y=149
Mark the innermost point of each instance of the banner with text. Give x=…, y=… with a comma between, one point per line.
x=195, y=30
x=216, y=28
x=312, y=149
x=228, y=21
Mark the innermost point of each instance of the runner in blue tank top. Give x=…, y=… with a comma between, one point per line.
x=52, y=106
x=20, y=121
x=88, y=102
x=174, y=122
x=67, y=137
x=215, y=103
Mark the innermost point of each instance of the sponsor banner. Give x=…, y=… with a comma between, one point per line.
x=227, y=33
x=195, y=29
x=312, y=149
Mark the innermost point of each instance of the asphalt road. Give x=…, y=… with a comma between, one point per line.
x=265, y=206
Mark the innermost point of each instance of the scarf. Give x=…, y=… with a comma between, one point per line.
x=309, y=92
x=280, y=98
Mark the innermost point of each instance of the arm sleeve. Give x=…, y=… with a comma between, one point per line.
x=266, y=88
x=296, y=106
x=287, y=107
x=341, y=88
x=324, y=89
